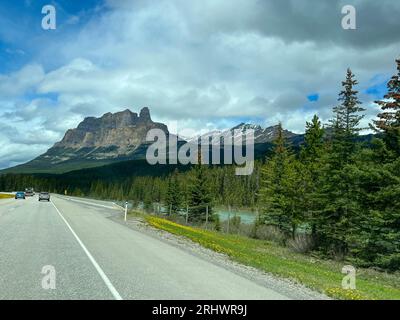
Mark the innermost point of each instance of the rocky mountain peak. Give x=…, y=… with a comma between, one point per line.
x=261, y=135
x=123, y=130
x=145, y=114
x=247, y=126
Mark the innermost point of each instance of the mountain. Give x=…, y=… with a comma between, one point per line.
x=123, y=130
x=95, y=142
x=238, y=133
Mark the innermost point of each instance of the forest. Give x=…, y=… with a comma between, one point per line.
x=341, y=192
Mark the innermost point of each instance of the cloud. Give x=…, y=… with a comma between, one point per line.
x=21, y=81
x=290, y=20
x=206, y=64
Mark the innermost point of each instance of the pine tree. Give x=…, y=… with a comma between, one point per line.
x=148, y=202
x=313, y=141
x=199, y=193
x=389, y=118
x=347, y=117
x=339, y=189
x=173, y=196
x=281, y=191
x=312, y=155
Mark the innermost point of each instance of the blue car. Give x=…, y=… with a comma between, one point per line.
x=20, y=195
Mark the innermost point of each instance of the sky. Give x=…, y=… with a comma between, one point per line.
x=207, y=64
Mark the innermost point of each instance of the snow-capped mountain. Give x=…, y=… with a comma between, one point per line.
x=261, y=135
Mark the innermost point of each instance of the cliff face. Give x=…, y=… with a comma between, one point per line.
x=97, y=141
x=124, y=130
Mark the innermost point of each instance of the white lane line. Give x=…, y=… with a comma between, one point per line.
x=93, y=204
x=107, y=281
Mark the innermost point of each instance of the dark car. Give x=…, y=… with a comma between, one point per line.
x=44, y=196
x=20, y=195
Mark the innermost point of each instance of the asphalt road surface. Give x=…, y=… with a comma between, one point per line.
x=73, y=245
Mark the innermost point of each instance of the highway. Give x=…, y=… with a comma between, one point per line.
x=94, y=257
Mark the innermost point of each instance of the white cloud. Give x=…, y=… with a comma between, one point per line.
x=21, y=81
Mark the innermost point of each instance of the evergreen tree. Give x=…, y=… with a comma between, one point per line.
x=312, y=155
x=389, y=119
x=313, y=147
x=148, y=202
x=173, y=196
x=339, y=189
x=281, y=191
x=199, y=194
x=383, y=189
x=347, y=116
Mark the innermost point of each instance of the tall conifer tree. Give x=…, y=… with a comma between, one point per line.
x=389, y=119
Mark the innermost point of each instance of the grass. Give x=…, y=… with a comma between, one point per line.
x=6, y=196
x=321, y=275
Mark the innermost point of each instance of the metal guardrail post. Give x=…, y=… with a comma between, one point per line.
x=206, y=216
x=126, y=210
x=229, y=218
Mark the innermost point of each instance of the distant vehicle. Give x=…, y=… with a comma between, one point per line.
x=44, y=196
x=20, y=195
x=29, y=192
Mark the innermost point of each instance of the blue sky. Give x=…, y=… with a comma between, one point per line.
x=207, y=64
x=313, y=97
x=377, y=90
x=22, y=37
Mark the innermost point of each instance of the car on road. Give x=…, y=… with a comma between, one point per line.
x=20, y=195
x=29, y=192
x=44, y=196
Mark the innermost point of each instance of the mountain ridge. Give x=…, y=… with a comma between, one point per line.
x=114, y=137
x=121, y=136
x=238, y=133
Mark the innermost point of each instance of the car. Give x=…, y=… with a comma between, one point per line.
x=44, y=196
x=29, y=192
x=20, y=195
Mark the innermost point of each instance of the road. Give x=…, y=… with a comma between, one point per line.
x=96, y=258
